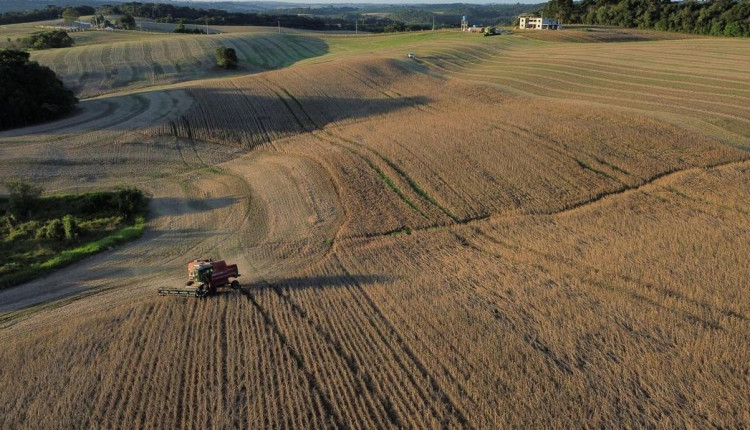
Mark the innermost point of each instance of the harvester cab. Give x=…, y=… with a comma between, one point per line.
x=201, y=273
x=209, y=275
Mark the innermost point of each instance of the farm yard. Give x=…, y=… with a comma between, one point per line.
x=501, y=232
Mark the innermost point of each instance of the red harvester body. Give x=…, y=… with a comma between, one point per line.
x=209, y=275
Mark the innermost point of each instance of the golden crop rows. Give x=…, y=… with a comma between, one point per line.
x=476, y=238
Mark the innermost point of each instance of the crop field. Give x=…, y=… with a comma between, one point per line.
x=503, y=232
x=97, y=68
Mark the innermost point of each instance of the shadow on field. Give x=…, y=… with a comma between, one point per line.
x=314, y=282
x=236, y=117
x=257, y=52
x=246, y=118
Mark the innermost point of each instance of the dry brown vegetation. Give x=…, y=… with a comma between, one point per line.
x=594, y=34
x=480, y=238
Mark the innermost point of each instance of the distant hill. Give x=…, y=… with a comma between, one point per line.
x=25, y=5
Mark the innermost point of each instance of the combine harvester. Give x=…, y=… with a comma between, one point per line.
x=210, y=275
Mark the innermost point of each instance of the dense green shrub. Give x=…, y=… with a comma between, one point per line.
x=34, y=92
x=59, y=229
x=105, y=223
x=24, y=231
x=226, y=57
x=48, y=39
x=54, y=229
x=127, y=22
x=23, y=196
x=70, y=226
x=7, y=223
x=129, y=201
x=182, y=29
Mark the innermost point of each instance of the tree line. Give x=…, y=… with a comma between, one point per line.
x=161, y=12
x=47, y=13
x=30, y=92
x=400, y=18
x=712, y=17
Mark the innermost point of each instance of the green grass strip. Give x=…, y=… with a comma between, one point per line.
x=70, y=256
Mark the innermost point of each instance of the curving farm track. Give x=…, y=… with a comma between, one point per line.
x=538, y=263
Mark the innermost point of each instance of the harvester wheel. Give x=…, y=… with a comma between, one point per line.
x=235, y=284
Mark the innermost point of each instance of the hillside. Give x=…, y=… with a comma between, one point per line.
x=502, y=232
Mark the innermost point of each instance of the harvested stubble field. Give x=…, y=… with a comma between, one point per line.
x=501, y=233
x=99, y=68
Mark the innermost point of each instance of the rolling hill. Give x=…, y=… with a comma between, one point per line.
x=501, y=232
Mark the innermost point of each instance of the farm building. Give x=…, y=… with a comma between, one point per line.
x=472, y=29
x=82, y=25
x=536, y=23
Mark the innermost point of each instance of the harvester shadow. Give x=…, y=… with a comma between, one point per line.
x=311, y=282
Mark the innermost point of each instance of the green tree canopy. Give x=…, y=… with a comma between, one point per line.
x=48, y=39
x=29, y=92
x=716, y=17
x=69, y=15
x=127, y=22
x=22, y=197
x=226, y=57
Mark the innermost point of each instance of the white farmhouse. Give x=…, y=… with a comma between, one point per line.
x=536, y=23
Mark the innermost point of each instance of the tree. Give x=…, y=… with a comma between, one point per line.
x=562, y=10
x=23, y=196
x=226, y=57
x=34, y=92
x=48, y=39
x=394, y=27
x=127, y=22
x=732, y=30
x=69, y=15
x=129, y=201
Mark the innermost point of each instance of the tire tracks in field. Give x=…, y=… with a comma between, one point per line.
x=419, y=191
x=312, y=131
x=362, y=376
x=644, y=106
x=358, y=373
x=532, y=338
x=312, y=381
x=383, y=176
x=571, y=207
x=450, y=404
x=648, y=286
x=266, y=139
